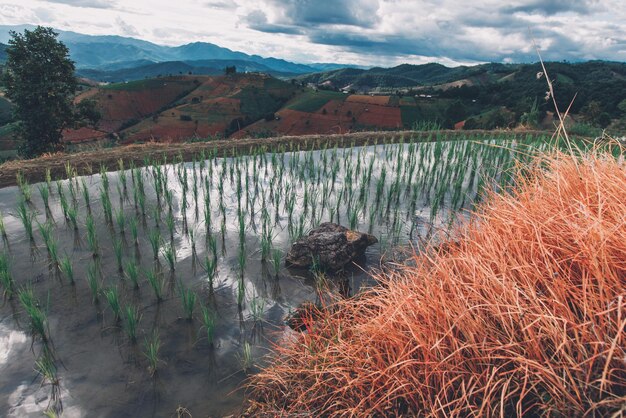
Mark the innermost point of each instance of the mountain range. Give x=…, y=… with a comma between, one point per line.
x=104, y=57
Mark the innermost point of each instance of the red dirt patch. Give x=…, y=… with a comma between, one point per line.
x=373, y=100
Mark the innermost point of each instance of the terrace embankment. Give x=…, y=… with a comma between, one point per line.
x=522, y=315
x=89, y=162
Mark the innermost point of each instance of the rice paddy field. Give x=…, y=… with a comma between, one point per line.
x=137, y=292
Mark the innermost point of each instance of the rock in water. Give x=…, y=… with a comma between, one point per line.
x=331, y=245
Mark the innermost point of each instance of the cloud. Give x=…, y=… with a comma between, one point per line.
x=317, y=13
x=553, y=7
x=95, y=4
x=127, y=29
x=221, y=5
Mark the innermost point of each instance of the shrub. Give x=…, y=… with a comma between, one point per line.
x=522, y=314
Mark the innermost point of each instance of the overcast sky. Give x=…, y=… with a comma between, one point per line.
x=367, y=32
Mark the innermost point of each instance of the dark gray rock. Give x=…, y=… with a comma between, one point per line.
x=332, y=245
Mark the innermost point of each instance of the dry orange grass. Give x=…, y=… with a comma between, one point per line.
x=524, y=315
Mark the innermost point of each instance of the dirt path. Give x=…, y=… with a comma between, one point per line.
x=89, y=162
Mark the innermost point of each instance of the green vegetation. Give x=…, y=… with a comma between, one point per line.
x=312, y=101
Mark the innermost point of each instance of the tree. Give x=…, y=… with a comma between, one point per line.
x=230, y=70
x=39, y=79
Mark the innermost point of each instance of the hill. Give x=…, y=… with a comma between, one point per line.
x=103, y=52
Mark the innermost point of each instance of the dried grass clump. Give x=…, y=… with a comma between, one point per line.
x=524, y=315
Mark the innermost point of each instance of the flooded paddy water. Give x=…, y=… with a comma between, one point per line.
x=136, y=292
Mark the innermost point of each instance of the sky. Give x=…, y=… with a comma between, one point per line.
x=362, y=32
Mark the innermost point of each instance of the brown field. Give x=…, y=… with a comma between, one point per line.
x=369, y=100
x=520, y=314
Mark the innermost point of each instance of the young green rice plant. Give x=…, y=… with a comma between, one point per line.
x=241, y=258
x=93, y=282
x=132, y=273
x=152, y=346
x=3, y=230
x=208, y=322
x=169, y=253
x=155, y=242
x=118, y=250
x=26, y=217
x=134, y=233
x=210, y=266
x=37, y=316
x=241, y=292
x=171, y=224
x=24, y=187
x=86, y=195
x=44, y=192
x=245, y=359
x=156, y=283
x=188, y=301
x=257, y=309
x=107, y=208
x=72, y=215
x=131, y=320
x=6, y=279
x=66, y=267
x=113, y=298
x=92, y=235
x=276, y=260
x=46, y=368
x=120, y=220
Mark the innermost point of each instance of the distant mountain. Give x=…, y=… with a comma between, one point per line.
x=117, y=52
x=137, y=70
x=405, y=75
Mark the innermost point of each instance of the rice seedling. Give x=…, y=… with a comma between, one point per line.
x=37, y=316
x=86, y=195
x=245, y=359
x=46, y=368
x=170, y=223
x=134, y=233
x=26, y=217
x=132, y=273
x=154, y=237
x=120, y=220
x=241, y=292
x=276, y=259
x=92, y=236
x=44, y=192
x=72, y=215
x=257, y=309
x=208, y=322
x=113, y=298
x=131, y=320
x=6, y=278
x=156, y=283
x=118, y=251
x=188, y=301
x=3, y=230
x=93, y=282
x=66, y=267
x=169, y=253
x=24, y=187
x=152, y=346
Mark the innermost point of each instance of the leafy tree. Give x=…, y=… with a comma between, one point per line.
x=230, y=70
x=622, y=106
x=39, y=79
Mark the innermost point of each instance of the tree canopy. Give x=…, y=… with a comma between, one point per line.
x=39, y=80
